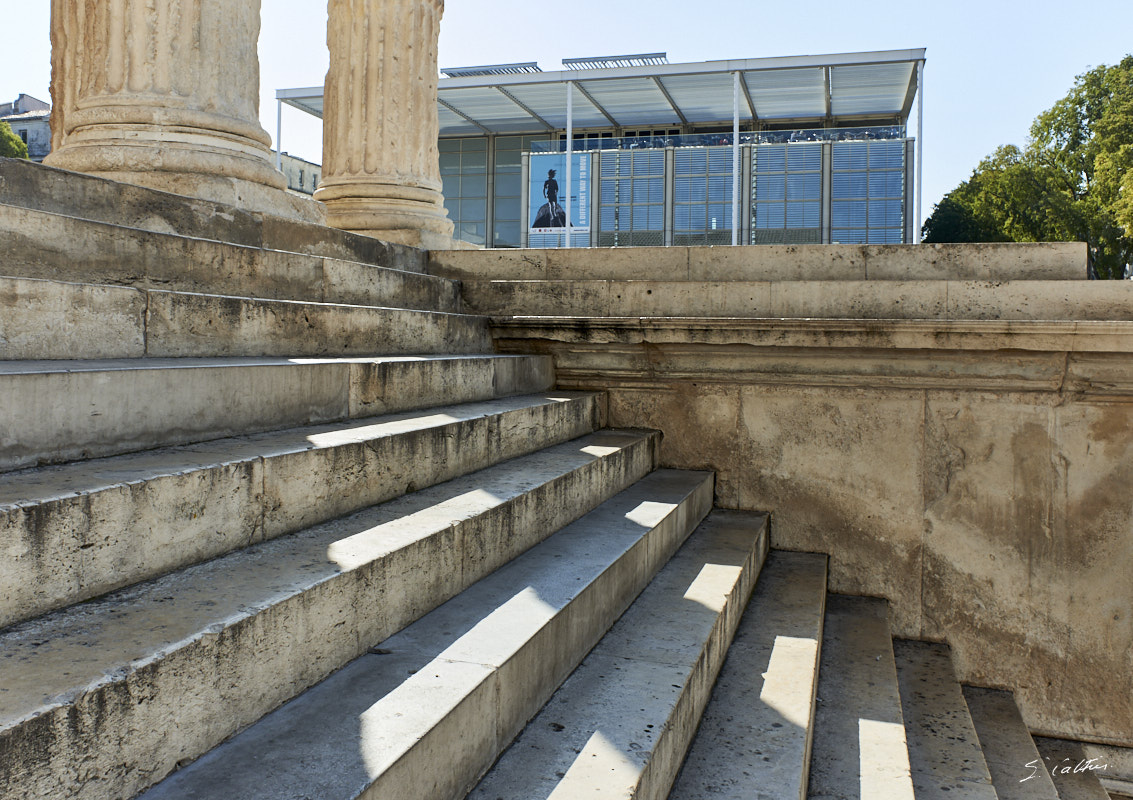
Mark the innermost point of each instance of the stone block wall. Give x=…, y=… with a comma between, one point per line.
x=975, y=474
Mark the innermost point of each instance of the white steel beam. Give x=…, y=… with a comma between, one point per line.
x=735, y=158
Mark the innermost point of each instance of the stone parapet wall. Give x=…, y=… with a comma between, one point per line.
x=821, y=299
x=975, y=473
x=834, y=262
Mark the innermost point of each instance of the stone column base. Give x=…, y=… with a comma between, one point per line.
x=409, y=215
x=236, y=175
x=244, y=195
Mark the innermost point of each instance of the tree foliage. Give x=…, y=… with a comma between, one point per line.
x=1073, y=181
x=11, y=145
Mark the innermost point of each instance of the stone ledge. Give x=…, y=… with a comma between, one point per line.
x=1014, y=261
x=886, y=334
x=42, y=244
x=808, y=299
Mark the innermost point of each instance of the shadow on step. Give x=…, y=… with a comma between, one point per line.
x=456, y=686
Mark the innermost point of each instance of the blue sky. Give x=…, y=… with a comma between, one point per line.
x=992, y=66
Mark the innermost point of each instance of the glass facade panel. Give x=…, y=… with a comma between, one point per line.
x=509, y=188
x=702, y=196
x=631, y=198
x=864, y=171
x=789, y=172
x=464, y=178
x=868, y=190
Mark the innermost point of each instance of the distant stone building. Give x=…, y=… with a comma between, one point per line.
x=302, y=176
x=31, y=121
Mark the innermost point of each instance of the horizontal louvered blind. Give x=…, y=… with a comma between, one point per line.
x=868, y=192
x=786, y=193
x=631, y=198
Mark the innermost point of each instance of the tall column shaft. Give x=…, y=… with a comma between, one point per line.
x=381, y=173
x=164, y=93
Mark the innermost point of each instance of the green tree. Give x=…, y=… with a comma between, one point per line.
x=1073, y=182
x=1124, y=204
x=11, y=145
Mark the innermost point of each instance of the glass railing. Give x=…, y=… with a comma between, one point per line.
x=725, y=139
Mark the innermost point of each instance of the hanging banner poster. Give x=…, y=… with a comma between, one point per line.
x=547, y=211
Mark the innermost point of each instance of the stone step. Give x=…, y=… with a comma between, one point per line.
x=128, y=686
x=1117, y=776
x=823, y=262
x=1075, y=776
x=73, y=532
x=859, y=748
x=44, y=319
x=426, y=713
x=1017, y=770
x=106, y=407
x=790, y=299
x=39, y=244
x=620, y=725
x=944, y=751
x=755, y=736
x=35, y=186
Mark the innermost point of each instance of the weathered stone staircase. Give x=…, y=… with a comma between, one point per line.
x=277, y=523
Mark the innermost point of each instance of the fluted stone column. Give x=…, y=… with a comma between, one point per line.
x=165, y=93
x=381, y=174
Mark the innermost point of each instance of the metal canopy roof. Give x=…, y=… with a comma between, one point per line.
x=842, y=88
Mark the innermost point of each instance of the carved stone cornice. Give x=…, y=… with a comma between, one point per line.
x=1094, y=358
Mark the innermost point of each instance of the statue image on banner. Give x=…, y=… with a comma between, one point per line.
x=545, y=208
x=550, y=214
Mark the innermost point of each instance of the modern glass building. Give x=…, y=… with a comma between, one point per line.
x=795, y=150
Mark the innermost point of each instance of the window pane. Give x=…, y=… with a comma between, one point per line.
x=770, y=187
x=807, y=186
x=769, y=215
x=473, y=186
x=507, y=208
x=473, y=210
x=508, y=185
x=474, y=161
x=770, y=158
x=848, y=184
x=852, y=236
x=507, y=234
x=803, y=157
x=450, y=163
